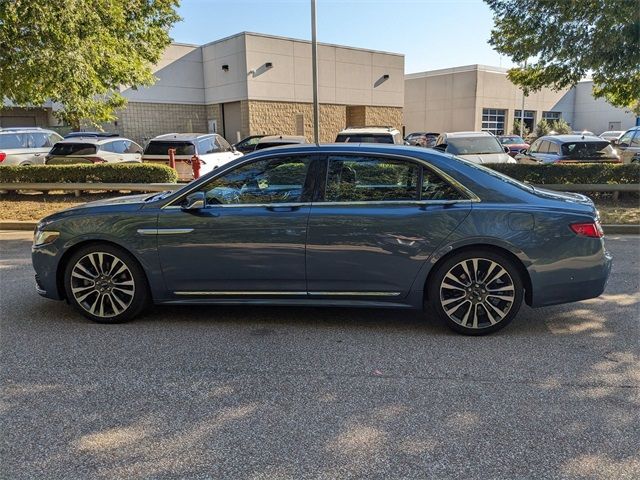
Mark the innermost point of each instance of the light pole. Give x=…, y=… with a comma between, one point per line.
x=524, y=66
x=314, y=61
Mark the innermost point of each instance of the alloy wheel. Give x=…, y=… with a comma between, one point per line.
x=477, y=293
x=102, y=284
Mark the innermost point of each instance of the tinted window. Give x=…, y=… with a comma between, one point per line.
x=436, y=188
x=38, y=140
x=62, y=148
x=544, y=147
x=162, y=148
x=276, y=180
x=626, y=138
x=635, y=141
x=473, y=145
x=249, y=142
x=355, y=179
x=13, y=140
x=554, y=148
x=512, y=140
x=588, y=150
x=260, y=146
x=207, y=145
x=535, y=146
x=364, y=138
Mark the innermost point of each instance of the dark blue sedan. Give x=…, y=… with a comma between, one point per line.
x=332, y=225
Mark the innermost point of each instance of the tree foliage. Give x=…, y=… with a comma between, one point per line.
x=79, y=53
x=516, y=128
x=570, y=39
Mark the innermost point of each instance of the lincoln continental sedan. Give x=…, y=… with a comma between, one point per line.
x=343, y=225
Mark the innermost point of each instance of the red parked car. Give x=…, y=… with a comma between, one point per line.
x=514, y=142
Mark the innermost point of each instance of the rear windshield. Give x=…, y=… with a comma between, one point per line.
x=512, y=140
x=587, y=150
x=62, y=148
x=364, y=138
x=162, y=148
x=13, y=140
x=473, y=145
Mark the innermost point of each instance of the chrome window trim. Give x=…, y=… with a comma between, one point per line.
x=223, y=293
x=222, y=170
x=356, y=294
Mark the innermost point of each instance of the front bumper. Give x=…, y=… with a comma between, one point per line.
x=45, y=260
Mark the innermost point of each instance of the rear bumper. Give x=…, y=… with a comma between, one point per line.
x=572, y=285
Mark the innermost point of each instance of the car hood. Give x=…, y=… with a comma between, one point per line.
x=124, y=200
x=488, y=158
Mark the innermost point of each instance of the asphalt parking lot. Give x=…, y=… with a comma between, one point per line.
x=257, y=393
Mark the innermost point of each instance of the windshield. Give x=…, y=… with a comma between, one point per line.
x=62, y=148
x=364, y=138
x=515, y=140
x=473, y=145
x=162, y=148
x=587, y=150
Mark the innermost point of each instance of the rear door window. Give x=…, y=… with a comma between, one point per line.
x=62, y=148
x=38, y=140
x=13, y=140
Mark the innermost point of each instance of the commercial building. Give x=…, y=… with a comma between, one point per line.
x=481, y=97
x=251, y=83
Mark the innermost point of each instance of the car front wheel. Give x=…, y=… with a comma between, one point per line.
x=476, y=292
x=105, y=284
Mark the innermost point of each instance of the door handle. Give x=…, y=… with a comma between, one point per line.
x=284, y=208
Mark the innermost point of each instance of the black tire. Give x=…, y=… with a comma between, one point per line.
x=121, y=294
x=491, y=305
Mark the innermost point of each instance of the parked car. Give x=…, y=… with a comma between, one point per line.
x=370, y=135
x=569, y=149
x=629, y=145
x=582, y=132
x=330, y=225
x=515, y=143
x=91, y=134
x=212, y=150
x=248, y=144
x=422, y=139
x=612, y=135
x=25, y=146
x=477, y=147
x=94, y=150
x=279, y=141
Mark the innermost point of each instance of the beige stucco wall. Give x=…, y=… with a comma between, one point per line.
x=142, y=121
x=596, y=115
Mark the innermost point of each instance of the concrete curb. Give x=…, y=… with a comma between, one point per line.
x=608, y=229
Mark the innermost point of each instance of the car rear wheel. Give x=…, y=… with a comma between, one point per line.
x=476, y=292
x=105, y=284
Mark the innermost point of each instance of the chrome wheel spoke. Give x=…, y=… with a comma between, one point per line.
x=506, y=288
x=453, y=309
x=463, y=322
x=453, y=287
x=501, y=271
x=500, y=297
x=116, y=303
x=491, y=318
x=501, y=313
x=450, y=276
x=475, y=316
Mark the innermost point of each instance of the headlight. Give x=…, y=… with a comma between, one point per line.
x=43, y=237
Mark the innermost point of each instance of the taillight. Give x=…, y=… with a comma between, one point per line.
x=593, y=229
x=2, y=156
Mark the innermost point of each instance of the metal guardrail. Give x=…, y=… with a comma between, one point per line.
x=160, y=187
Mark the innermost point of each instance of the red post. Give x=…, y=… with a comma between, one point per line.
x=195, y=166
x=172, y=158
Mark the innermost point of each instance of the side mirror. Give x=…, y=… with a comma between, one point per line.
x=195, y=201
x=506, y=149
x=523, y=151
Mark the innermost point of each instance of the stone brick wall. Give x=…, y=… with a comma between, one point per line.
x=280, y=118
x=141, y=121
x=384, y=116
x=356, y=116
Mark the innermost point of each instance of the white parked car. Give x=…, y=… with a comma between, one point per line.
x=370, y=135
x=212, y=150
x=25, y=146
x=477, y=147
x=94, y=150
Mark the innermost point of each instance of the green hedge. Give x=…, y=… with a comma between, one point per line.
x=571, y=173
x=103, y=172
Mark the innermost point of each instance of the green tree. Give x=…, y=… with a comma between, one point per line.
x=569, y=40
x=516, y=129
x=560, y=126
x=80, y=53
x=542, y=128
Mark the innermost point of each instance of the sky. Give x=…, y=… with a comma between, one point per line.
x=432, y=34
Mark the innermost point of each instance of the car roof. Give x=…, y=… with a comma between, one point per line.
x=186, y=137
x=468, y=134
x=372, y=129
x=93, y=140
x=572, y=138
x=283, y=138
x=24, y=130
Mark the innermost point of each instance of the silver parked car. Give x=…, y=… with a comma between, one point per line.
x=477, y=147
x=26, y=146
x=94, y=150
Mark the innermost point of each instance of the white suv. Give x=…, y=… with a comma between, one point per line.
x=212, y=150
x=25, y=146
x=94, y=150
x=370, y=135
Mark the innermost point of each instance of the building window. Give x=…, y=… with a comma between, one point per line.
x=529, y=118
x=493, y=120
x=551, y=116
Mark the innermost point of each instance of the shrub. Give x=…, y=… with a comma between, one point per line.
x=516, y=129
x=585, y=173
x=100, y=173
